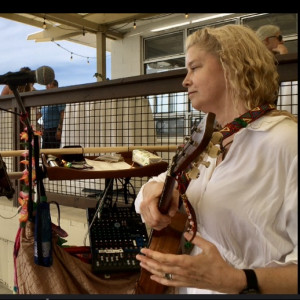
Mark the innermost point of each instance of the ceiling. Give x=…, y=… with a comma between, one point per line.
x=98, y=30
x=82, y=27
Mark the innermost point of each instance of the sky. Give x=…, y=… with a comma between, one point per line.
x=17, y=52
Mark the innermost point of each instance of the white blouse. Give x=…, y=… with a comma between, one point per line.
x=247, y=205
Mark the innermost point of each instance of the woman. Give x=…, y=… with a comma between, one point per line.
x=245, y=202
x=271, y=36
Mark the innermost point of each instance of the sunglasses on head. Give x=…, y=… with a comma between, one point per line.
x=279, y=37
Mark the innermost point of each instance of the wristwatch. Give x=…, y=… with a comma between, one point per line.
x=252, y=285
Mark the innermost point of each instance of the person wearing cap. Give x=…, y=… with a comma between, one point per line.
x=52, y=119
x=270, y=35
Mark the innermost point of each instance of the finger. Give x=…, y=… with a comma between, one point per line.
x=163, y=258
x=200, y=242
x=153, y=217
x=152, y=265
x=197, y=240
x=152, y=270
x=175, y=281
x=160, y=273
x=158, y=220
x=174, y=204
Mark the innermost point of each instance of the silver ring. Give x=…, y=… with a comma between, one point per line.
x=168, y=276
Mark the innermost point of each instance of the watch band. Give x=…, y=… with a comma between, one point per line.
x=252, y=285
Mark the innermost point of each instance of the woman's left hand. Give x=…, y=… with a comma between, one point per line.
x=207, y=270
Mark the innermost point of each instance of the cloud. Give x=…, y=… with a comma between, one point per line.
x=17, y=52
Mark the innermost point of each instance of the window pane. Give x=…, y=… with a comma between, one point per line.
x=165, y=65
x=164, y=45
x=162, y=103
x=170, y=127
x=178, y=102
x=292, y=46
x=286, y=22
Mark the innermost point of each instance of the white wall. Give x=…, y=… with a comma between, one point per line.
x=126, y=57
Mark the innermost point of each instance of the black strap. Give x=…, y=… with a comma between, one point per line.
x=252, y=284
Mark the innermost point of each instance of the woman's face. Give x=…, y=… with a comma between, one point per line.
x=204, y=80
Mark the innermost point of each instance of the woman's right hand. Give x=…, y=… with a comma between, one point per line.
x=149, y=206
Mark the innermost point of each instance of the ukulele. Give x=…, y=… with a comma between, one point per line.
x=168, y=239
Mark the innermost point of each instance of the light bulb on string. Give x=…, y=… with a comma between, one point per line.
x=134, y=25
x=72, y=53
x=186, y=16
x=44, y=24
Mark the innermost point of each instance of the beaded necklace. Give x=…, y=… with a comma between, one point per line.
x=183, y=180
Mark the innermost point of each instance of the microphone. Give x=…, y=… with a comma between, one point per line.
x=43, y=75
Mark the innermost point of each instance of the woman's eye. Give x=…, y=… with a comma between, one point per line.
x=194, y=68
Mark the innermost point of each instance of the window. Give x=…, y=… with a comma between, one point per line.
x=170, y=127
x=164, y=45
x=166, y=52
x=164, y=65
x=287, y=22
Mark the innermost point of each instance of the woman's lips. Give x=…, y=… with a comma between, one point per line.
x=191, y=93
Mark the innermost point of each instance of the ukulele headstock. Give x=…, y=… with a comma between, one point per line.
x=194, y=146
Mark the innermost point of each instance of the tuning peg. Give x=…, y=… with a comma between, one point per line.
x=205, y=163
x=216, y=138
x=214, y=151
x=186, y=138
x=194, y=128
x=193, y=173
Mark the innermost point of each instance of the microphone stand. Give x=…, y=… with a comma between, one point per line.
x=26, y=120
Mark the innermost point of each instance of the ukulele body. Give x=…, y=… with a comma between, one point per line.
x=168, y=240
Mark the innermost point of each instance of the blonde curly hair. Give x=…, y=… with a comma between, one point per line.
x=249, y=68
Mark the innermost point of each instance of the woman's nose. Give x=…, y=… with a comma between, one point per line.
x=186, y=81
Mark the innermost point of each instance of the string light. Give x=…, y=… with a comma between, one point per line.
x=44, y=24
x=134, y=25
x=186, y=16
x=72, y=53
